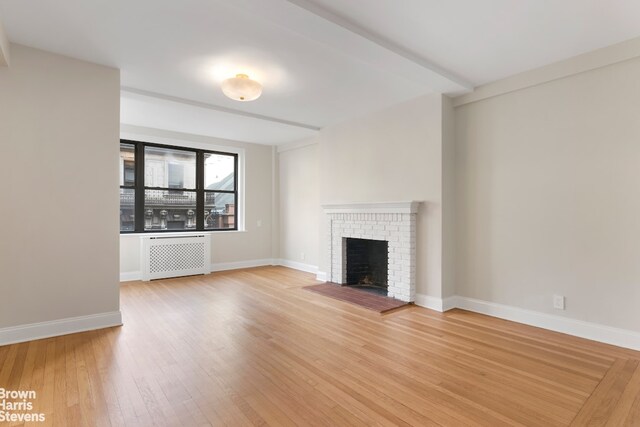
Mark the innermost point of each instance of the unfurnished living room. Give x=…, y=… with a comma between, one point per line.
x=320, y=213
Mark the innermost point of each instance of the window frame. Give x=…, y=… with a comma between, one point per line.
x=125, y=186
x=140, y=188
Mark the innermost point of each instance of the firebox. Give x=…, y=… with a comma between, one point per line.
x=367, y=264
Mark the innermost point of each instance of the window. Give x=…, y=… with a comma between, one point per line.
x=219, y=191
x=127, y=187
x=165, y=188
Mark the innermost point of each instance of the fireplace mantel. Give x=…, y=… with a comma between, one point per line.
x=410, y=207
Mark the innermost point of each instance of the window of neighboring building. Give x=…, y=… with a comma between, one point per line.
x=164, y=188
x=129, y=176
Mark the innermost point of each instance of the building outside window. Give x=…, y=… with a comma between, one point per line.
x=164, y=188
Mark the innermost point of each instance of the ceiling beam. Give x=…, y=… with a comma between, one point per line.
x=5, y=57
x=159, y=96
x=321, y=26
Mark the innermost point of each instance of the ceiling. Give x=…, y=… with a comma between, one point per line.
x=321, y=62
x=484, y=41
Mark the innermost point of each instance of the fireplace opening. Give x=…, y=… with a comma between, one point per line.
x=367, y=265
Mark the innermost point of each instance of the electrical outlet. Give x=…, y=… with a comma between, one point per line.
x=302, y=256
x=558, y=302
x=259, y=223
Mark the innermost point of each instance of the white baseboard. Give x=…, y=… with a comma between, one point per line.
x=579, y=328
x=297, y=265
x=53, y=328
x=434, y=303
x=430, y=302
x=222, y=266
x=130, y=276
x=449, y=303
x=321, y=276
x=565, y=325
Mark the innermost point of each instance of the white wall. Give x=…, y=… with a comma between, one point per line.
x=299, y=204
x=548, y=196
x=59, y=126
x=227, y=247
x=391, y=155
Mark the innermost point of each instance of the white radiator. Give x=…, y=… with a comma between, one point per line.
x=174, y=256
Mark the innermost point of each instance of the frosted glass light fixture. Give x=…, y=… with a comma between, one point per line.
x=242, y=88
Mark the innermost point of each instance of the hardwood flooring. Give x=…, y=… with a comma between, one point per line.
x=251, y=347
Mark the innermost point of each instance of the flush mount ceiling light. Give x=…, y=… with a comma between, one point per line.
x=242, y=88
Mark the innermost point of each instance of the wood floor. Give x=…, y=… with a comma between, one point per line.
x=251, y=347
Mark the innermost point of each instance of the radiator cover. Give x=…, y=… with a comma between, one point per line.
x=175, y=256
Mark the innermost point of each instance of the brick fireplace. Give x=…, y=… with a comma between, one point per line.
x=391, y=222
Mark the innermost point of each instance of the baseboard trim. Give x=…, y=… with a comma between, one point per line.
x=308, y=268
x=579, y=328
x=434, y=303
x=130, y=276
x=223, y=266
x=321, y=276
x=54, y=328
x=429, y=302
x=449, y=303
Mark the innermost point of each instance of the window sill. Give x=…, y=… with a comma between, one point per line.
x=181, y=233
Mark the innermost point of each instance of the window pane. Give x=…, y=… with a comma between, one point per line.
x=169, y=210
x=169, y=168
x=219, y=172
x=127, y=164
x=127, y=209
x=219, y=211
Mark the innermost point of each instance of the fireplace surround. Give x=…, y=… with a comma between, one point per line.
x=391, y=222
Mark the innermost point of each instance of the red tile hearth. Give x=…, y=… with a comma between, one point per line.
x=354, y=296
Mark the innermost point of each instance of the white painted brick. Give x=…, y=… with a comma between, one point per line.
x=397, y=229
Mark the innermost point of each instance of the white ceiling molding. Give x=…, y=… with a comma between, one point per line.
x=316, y=24
x=158, y=136
x=152, y=110
x=5, y=57
x=208, y=106
x=281, y=148
x=578, y=64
